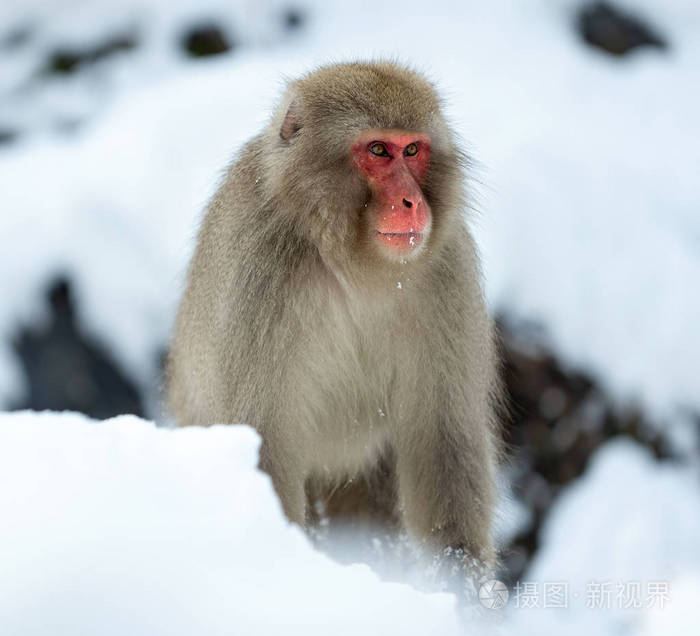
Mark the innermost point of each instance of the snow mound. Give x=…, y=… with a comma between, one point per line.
x=627, y=530
x=119, y=527
x=682, y=616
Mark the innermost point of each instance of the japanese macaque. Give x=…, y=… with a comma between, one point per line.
x=334, y=304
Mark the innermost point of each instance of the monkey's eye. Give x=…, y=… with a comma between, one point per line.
x=379, y=150
x=410, y=150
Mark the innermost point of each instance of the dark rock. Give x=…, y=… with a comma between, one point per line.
x=67, y=370
x=15, y=38
x=205, y=40
x=7, y=136
x=559, y=418
x=614, y=31
x=293, y=19
x=66, y=60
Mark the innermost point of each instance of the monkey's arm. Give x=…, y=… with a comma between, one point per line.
x=446, y=481
x=447, y=456
x=281, y=461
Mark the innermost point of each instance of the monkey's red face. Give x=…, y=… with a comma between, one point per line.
x=394, y=163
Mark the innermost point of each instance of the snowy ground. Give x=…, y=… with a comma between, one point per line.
x=621, y=539
x=119, y=527
x=587, y=195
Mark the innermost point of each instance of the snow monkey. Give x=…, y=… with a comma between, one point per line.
x=334, y=303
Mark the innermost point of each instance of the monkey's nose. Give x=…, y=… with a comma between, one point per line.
x=407, y=203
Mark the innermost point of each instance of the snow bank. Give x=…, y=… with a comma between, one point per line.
x=682, y=615
x=630, y=522
x=119, y=527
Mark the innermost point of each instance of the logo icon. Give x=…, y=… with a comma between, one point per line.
x=493, y=594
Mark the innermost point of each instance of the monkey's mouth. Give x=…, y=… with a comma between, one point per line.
x=401, y=240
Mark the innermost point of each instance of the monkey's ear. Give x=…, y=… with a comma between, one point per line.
x=292, y=121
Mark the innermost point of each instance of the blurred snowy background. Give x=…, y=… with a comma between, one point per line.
x=116, y=120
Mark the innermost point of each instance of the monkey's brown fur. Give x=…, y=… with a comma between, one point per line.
x=293, y=323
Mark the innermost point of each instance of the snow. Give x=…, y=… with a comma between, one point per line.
x=682, y=616
x=31, y=100
x=119, y=527
x=100, y=217
x=629, y=520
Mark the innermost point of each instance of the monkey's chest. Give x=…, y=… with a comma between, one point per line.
x=352, y=384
